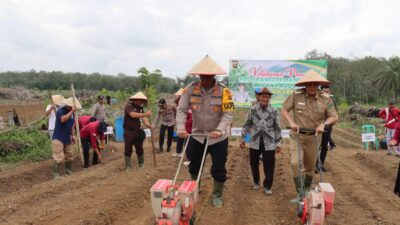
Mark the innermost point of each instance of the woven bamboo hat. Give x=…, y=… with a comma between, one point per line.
x=312, y=77
x=139, y=96
x=57, y=99
x=207, y=66
x=70, y=102
x=179, y=92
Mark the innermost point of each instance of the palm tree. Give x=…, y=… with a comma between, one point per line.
x=389, y=79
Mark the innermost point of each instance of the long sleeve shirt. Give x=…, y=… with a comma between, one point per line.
x=391, y=117
x=263, y=123
x=91, y=132
x=166, y=116
x=207, y=110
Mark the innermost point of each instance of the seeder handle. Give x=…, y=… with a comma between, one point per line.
x=167, y=189
x=184, y=153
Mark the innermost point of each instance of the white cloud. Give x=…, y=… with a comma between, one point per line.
x=123, y=35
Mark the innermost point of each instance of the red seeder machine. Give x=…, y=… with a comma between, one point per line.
x=174, y=204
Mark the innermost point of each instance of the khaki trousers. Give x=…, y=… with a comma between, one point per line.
x=61, y=152
x=308, y=151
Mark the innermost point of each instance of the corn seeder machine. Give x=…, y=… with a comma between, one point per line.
x=174, y=204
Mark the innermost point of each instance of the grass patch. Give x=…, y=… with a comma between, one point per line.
x=30, y=144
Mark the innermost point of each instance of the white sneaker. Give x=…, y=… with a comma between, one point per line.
x=179, y=155
x=267, y=191
x=186, y=163
x=174, y=155
x=256, y=186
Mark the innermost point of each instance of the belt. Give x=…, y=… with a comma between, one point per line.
x=307, y=133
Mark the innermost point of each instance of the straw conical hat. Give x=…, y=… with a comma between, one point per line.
x=207, y=66
x=139, y=95
x=179, y=92
x=311, y=77
x=57, y=99
x=70, y=102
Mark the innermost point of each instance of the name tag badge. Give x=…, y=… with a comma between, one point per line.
x=301, y=103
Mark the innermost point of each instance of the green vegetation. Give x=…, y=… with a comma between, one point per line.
x=24, y=144
x=57, y=80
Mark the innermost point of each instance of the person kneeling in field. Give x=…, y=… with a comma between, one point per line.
x=89, y=136
x=263, y=121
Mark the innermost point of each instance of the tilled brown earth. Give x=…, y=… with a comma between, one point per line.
x=105, y=194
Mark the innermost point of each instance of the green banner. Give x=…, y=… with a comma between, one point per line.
x=245, y=76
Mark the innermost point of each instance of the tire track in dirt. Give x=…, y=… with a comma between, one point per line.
x=104, y=194
x=243, y=205
x=360, y=197
x=30, y=174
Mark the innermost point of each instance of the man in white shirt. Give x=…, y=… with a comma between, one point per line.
x=51, y=110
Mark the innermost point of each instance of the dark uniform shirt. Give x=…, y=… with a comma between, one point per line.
x=129, y=122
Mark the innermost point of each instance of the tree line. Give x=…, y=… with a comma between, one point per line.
x=368, y=80
x=57, y=80
x=365, y=80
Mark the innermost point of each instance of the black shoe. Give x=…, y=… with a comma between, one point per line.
x=86, y=166
x=324, y=169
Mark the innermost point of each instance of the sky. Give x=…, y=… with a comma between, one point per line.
x=120, y=36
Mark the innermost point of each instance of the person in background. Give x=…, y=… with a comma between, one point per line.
x=166, y=115
x=62, y=137
x=326, y=138
x=188, y=127
x=51, y=109
x=99, y=109
x=89, y=135
x=263, y=123
x=391, y=117
x=16, y=120
x=133, y=134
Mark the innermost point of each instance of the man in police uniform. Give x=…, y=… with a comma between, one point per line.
x=310, y=107
x=212, y=107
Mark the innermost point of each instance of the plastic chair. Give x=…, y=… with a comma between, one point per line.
x=368, y=128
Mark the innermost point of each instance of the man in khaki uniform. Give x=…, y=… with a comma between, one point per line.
x=212, y=108
x=166, y=115
x=310, y=106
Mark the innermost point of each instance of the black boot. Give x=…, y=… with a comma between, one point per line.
x=128, y=164
x=297, y=183
x=56, y=170
x=218, y=189
x=140, y=160
x=307, y=183
x=68, y=167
